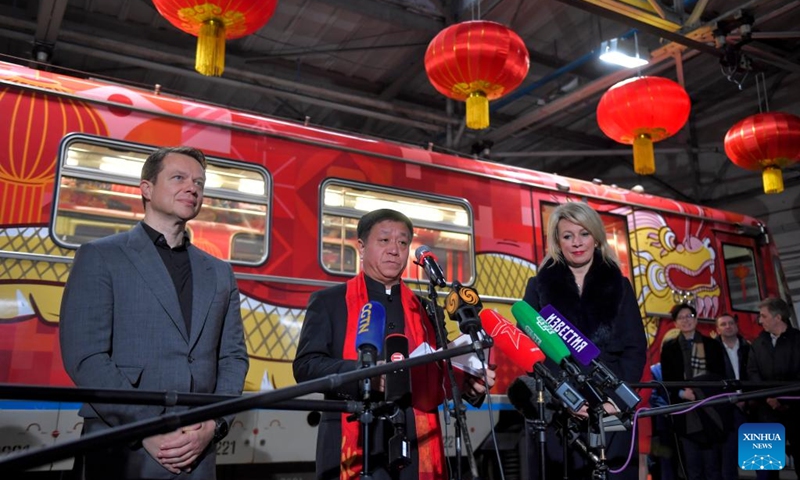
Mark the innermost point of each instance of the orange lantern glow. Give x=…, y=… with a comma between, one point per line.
x=476, y=62
x=214, y=21
x=640, y=111
x=767, y=142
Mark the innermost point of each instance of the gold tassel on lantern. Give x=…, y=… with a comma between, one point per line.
x=210, y=58
x=477, y=111
x=772, y=179
x=644, y=160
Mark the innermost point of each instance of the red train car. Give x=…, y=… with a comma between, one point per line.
x=282, y=203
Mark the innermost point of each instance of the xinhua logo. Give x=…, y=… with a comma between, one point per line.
x=762, y=446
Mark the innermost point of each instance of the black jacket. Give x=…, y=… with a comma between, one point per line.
x=606, y=312
x=743, y=354
x=779, y=363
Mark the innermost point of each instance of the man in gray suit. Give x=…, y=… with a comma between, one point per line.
x=145, y=309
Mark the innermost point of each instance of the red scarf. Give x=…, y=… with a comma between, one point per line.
x=426, y=385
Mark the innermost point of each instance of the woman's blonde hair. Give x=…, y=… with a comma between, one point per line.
x=583, y=215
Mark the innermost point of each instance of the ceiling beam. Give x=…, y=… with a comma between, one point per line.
x=48, y=21
x=390, y=13
x=664, y=29
x=554, y=110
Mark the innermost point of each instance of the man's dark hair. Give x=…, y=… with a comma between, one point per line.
x=677, y=308
x=777, y=306
x=155, y=162
x=728, y=314
x=369, y=220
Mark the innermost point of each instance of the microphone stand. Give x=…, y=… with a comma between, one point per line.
x=461, y=432
x=365, y=418
x=597, y=440
x=540, y=426
x=174, y=420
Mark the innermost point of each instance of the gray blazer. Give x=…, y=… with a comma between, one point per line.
x=121, y=327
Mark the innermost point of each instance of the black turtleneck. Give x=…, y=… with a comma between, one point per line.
x=179, y=267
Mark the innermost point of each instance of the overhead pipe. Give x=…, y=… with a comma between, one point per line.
x=600, y=153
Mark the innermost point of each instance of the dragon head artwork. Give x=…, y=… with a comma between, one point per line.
x=668, y=260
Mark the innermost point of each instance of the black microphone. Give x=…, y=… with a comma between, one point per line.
x=397, y=390
x=429, y=262
x=462, y=305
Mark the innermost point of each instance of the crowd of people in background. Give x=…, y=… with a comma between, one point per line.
x=704, y=443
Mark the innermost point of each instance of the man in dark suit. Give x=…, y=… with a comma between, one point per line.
x=327, y=346
x=775, y=356
x=145, y=309
x=736, y=352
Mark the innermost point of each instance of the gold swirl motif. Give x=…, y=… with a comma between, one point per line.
x=451, y=302
x=469, y=295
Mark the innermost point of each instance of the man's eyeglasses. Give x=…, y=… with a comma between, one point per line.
x=684, y=317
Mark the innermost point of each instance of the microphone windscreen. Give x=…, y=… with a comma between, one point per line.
x=522, y=394
x=397, y=388
x=511, y=340
x=534, y=325
x=371, y=324
x=422, y=250
x=581, y=347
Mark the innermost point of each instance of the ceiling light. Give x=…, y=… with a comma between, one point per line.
x=623, y=52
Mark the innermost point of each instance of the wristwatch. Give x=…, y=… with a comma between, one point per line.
x=220, y=429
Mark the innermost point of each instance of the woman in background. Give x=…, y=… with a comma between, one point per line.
x=581, y=278
x=692, y=356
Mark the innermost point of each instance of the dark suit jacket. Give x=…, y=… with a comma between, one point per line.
x=121, y=327
x=320, y=353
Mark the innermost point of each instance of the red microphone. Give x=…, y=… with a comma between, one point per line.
x=512, y=341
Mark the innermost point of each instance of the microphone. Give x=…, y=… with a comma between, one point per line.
x=509, y=339
x=369, y=339
x=543, y=334
x=553, y=347
x=582, y=349
x=462, y=305
x=526, y=355
x=430, y=263
x=397, y=390
x=586, y=353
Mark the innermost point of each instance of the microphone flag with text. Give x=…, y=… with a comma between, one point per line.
x=462, y=305
x=430, y=263
x=525, y=354
x=586, y=352
x=554, y=348
x=369, y=339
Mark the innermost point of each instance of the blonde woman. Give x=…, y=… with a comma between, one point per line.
x=581, y=278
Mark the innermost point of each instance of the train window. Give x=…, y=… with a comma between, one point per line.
x=98, y=195
x=616, y=227
x=443, y=224
x=740, y=267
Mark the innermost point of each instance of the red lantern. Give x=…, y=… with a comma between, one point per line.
x=476, y=61
x=213, y=21
x=640, y=111
x=30, y=147
x=768, y=142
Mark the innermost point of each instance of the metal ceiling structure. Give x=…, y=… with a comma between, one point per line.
x=357, y=66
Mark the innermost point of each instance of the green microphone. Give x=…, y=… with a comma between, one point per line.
x=540, y=331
